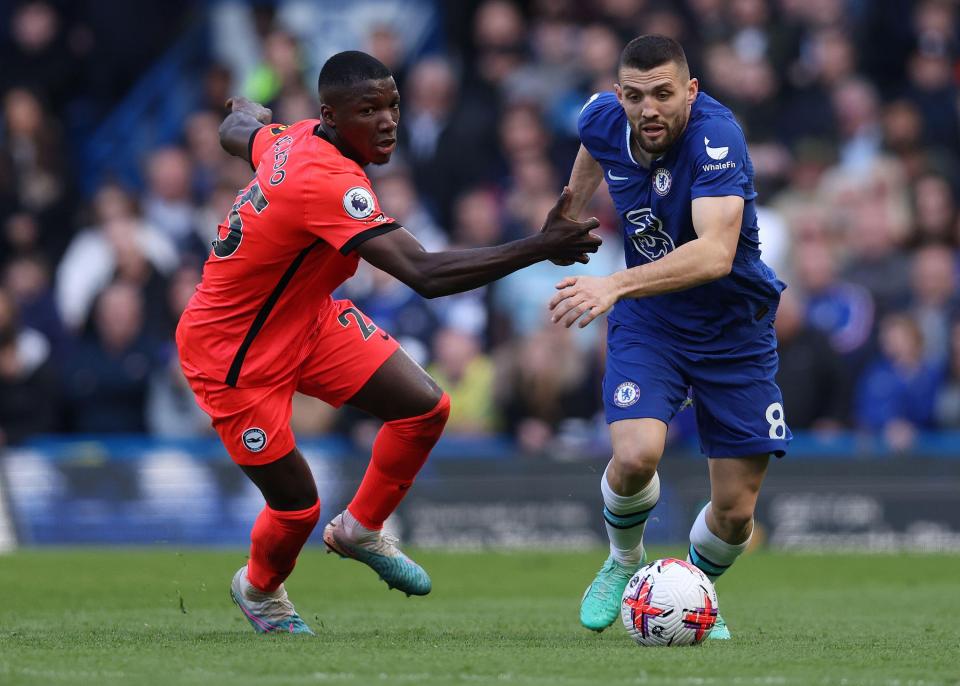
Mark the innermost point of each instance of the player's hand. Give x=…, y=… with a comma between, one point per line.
x=582, y=297
x=568, y=241
x=262, y=114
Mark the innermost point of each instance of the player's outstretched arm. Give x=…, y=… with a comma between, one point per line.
x=245, y=117
x=434, y=274
x=706, y=258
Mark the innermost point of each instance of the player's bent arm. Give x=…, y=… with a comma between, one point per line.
x=585, y=178
x=435, y=274
x=238, y=126
x=707, y=258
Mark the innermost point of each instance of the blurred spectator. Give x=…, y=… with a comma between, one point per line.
x=168, y=201
x=202, y=132
x=399, y=198
x=877, y=262
x=105, y=381
x=467, y=375
x=34, y=153
x=29, y=392
x=544, y=380
x=842, y=310
x=500, y=40
x=385, y=43
x=279, y=71
x=931, y=86
x=902, y=136
x=857, y=107
x=27, y=279
x=826, y=59
x=552, y=72
x=477, y=221
x=948, y=399
x=897, y=393
x=36, y=54
x=96, y=253
x=934, y=298
x=442, y=144
x=810, y=374
x=935, y=210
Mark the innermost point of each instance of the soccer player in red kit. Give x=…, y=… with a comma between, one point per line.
x=263, y=324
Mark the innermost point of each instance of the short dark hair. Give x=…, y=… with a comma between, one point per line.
x=348, y=68
x=647, y=52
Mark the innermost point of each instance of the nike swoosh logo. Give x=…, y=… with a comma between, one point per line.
x=613, y=177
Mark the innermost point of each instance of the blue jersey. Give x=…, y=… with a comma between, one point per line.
x=708, y=160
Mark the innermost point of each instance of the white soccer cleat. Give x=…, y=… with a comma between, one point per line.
x=377, y=550
x=266, y=612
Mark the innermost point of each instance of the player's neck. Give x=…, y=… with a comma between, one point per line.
x=643, y=158
x=330, y=135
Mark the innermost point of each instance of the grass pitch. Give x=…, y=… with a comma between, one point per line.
x=164, y=617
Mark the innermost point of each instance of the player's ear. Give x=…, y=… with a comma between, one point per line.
x=326, y=114
x=619, y=92
x=693, y=87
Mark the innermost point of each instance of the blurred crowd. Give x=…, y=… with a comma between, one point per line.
x=851, y=110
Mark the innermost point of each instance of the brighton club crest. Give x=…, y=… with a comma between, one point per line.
x=254, y=439
x=662, y=180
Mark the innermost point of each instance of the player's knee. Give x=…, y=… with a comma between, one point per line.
x=297, y=500
x=639, y=463
x=293, y=495
x=427, y=425
x=734, y=517
x=441, y=411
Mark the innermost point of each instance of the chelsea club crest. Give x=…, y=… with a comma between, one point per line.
x=662, y=180
x=626, y=394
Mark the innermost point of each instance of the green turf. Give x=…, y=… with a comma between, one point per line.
x=164, y=617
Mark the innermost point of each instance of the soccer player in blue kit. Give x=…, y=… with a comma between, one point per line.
x=693, y=309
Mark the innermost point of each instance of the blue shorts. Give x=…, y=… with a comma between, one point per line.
x=738, y=404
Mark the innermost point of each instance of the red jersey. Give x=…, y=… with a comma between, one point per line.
x=286, y=245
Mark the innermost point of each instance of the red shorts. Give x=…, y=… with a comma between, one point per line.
x=254, y=423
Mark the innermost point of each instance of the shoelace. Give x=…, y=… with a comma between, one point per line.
x=275, y=609
x=602, y=584
x=385, y=544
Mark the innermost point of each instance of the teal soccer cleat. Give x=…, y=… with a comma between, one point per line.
x=268, y=613
x=378, y=551
x=600, y=605
x=720, y=632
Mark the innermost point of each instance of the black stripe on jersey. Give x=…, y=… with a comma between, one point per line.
x=250, y=147
x=364, y=236
x=264, y=312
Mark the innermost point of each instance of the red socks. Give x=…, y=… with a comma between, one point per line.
x=399, y=451
x=276, y=540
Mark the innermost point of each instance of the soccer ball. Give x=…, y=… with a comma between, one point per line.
x=669, y=603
